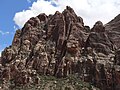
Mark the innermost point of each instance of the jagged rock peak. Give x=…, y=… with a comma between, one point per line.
x=70, y=9
x=63, y=31
x=99, y=40
x=98, y=27
x=98, y=23
x=60, y=45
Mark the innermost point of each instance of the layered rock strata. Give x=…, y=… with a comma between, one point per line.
x=60, y=45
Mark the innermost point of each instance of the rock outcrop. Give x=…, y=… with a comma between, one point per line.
x=99, y=40
x=47, y=40
x=113, y=31
x=60, y=45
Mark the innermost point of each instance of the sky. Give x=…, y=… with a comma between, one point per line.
x=8, y=9
x=14, y=13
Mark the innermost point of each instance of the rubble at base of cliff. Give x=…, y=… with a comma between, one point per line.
x=58, y=52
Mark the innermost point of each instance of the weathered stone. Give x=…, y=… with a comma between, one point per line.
x=112, y=29
x=8, y=55
x=99, y=40
x=98, y=27
x=117, y=57
x=60, y=45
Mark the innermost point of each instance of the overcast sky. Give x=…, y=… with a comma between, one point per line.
x=15, y=13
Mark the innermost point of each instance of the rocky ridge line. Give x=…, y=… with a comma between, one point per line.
x=60, y=45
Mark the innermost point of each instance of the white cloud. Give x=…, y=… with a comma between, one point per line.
x=4, y=33
x=29, y=1
x=0, y=53
x=38, y=7
x=90, y=10
x=15, y=27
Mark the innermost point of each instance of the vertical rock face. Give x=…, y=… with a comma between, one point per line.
x=113, y=31
x=60, y=45
x=48, y=43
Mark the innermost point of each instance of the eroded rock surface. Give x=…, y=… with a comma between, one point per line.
x=113, y=31
x=99, y=40
x=60, y=45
